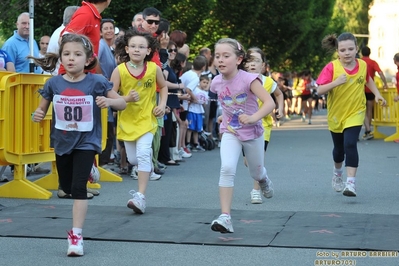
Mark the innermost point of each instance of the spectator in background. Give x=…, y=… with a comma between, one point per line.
x=53, y=45
x=372, y=67
x=17, y=46
x=44, y=41
x=396, y=62
x=5, y=62
x=137, y=20
x=87, y=21
x=108, y=64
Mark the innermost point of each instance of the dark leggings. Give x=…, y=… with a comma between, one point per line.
x=74, y=171
x=164, y=153
x=345, y=146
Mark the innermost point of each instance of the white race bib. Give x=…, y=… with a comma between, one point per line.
x=73, y=113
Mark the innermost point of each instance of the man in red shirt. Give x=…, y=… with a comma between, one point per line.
x=372, y=68
x=86, y=21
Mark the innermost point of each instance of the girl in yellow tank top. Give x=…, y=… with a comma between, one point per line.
x=136, y=79
x=344, y=80
x=255, y=64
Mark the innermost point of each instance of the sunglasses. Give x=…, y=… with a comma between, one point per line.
x=151, y=21
x=172, y=50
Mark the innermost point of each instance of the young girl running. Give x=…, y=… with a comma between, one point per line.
x=344, y=80
x=255, y=63
x=136, y=79
x=241, y=125
x=76, y=129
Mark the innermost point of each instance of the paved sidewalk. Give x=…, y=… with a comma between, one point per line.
x=299, y=162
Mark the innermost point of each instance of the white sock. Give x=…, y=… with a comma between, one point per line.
x=338, y=171
x=77, y=231
x=351, y=179
x=257, y=190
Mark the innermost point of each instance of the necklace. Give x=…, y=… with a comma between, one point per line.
x=134, y=65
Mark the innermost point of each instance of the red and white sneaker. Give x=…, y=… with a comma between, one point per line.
x=75, y=244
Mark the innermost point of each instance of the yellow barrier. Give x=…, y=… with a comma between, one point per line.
x=387, y=116
x=24, y=142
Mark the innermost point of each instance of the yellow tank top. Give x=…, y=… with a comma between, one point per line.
x=267, y=121
x=137, y=119
x=346, y=104
x=298, y=86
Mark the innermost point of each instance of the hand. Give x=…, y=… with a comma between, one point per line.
x=185, y=97
x=219, y=120
x=133, y=96
x=167, y=110
x=38, y=115
x=381, y=101
x=164, y=40
x=341, y=79
x=246, y=119
x=396, y=98
x=102, y=102
x=159, y=111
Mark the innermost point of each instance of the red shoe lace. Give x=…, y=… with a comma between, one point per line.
x=74, y=238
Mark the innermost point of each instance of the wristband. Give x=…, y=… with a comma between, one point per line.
x=32, y=115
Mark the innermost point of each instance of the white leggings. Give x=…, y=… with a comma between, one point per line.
x=139, y=152
x=230, y=152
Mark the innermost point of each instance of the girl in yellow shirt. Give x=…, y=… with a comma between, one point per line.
x=344, y=80
x=136, y=79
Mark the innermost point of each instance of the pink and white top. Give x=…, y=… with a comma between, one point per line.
x=236, y=98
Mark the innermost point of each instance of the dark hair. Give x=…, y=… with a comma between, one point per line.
x=105, y=20
x=49, y=61
x=96, y=1
x=199, y=62
x=366, y=51
x=172, y=43
x=164, y=26
x=237, y=47
x=330, y=42
x=179, y=37
x=123, y=41
x=175, y=64
x=151, y=11
x=202, y=77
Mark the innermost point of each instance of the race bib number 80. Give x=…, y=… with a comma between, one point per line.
x=73, y=113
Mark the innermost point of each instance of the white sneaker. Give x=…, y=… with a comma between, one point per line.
x=222, y=224
x=184, y=154
x=134, y=174
x=256, y=197
x=350, y=189
x=337, y=182
x=199, y=148
x=154, y=176
x=137, y=203
x=75, y=244
x=267, y=188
